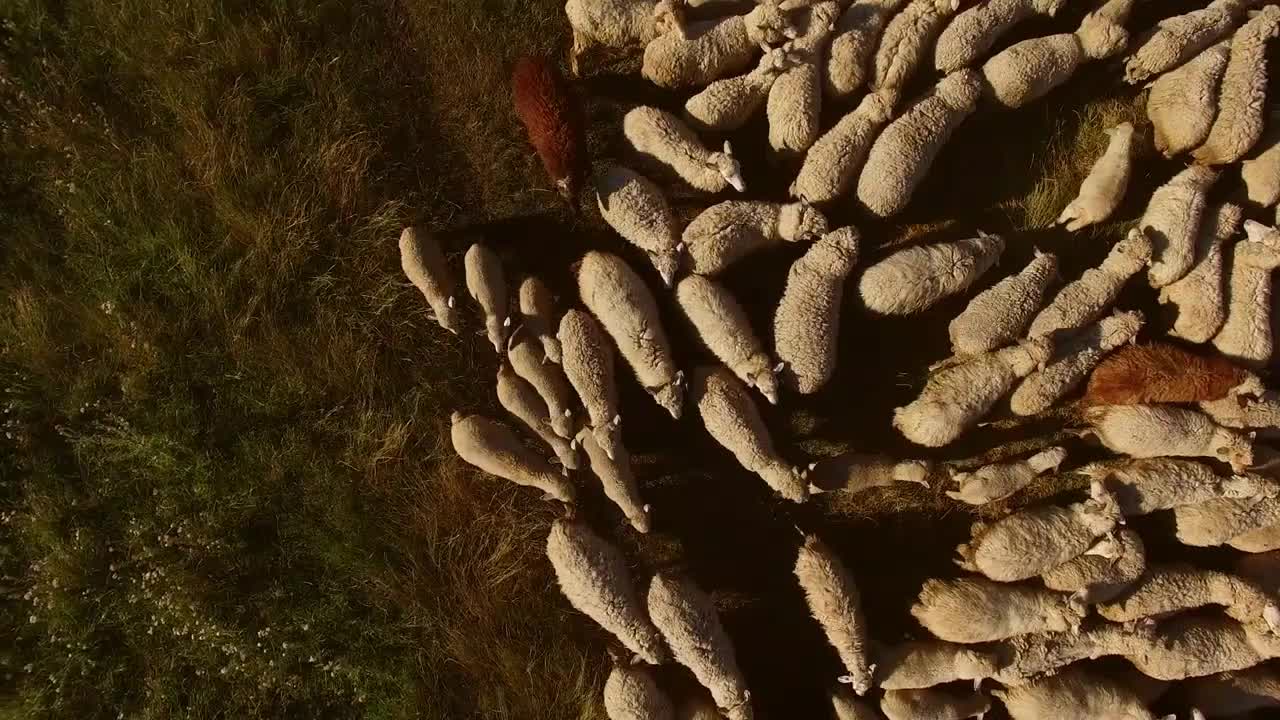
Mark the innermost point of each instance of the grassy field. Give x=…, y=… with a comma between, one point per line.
x=226, y=488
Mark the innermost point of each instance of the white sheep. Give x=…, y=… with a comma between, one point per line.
x=998, y=315
x=977, y=610
x=733, y=421
x=1200, y=296
x=855, y=472
x=1182, y=104
x=526, y=356
x=925, y=663
x=487, y=285
x=1103, y=571
x=901, y=156
x=1246, y=333
x=1036, y=540
x=1075, y=693
x=661, y=136
x=1169, y=589
x=1195, y=646
x=931, y=704
x=1082, y=301
x=587, y=361
x=794, y=106
x=1147, y=431
x=1240, y=411
x=723, y=327
x=1146, y=485
x=495, y=449
x=973, y=32
x=538, y=309
x=631, y=694
x=1074, y=361
x=854, y=44
x=1027, y=657
x=906, y=40
x=728, y=231
x=1242, y=97
x=634, y=207
x=1261, y=173
x=847, y=706
x=616, y=24
x=1236, y=693
x=835, y=159
x=619, y=299
x=729, y=103
x=593, y=576
x=836, y=604
x=1179, y=38
x=1104, y=187
x=617, y=480
x=806, y=325
x=1219, y=521
x=423, y=263
x=956, y=397
x=706, y=50
x=519, y=398
x=912, y=279
x=1000, y=480
x=1172, y=221
x=687, y=619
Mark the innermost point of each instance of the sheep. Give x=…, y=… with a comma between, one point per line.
x=976, y=610
x=999, y=314
x=973, y=32
x=1105, y=185
x=1182, y=104
x=1027, y=657
x=1179, y=38
x=1219, y=521
x=930, y=704
x=855, y=472
x=913, y=279
x=617, y=479
x=487, y=285
x=728, y=104
x=1000, y=480
x=1172, y=220
x=835, y=602
x=733, y=421
x=423, y=263
x=956, y=397
x=631, y=694
x=553, y=123
x=1145, y=431
x=635, y=208
x=1200, y=296
x=1246, y=334
x=1164, y=373
x=847, y=706
x=661, y=136
x=495, y=449
x=524, y=403
x=925, y=663
x=687, y=619
x=1080, y=354
x=1235, y=693
x=707, y=50
x=1075, y=693
x=1242, y=96
x=834, y=160
x=906, y=40
x=594, y=578
x=1146, y=485
x=1192, y=646
x=1036, y=540
x=1082, y=301
x=1261, y=173
x=622, y=303
x=901, y=156
x=1264, y=539
x=538, y=309
x=1169, y=589
x=616, y=24
x=1240, y=411
x=587, y=361
x=728, y=231
x=723, y=327
x=794, y=106
x=806, y=325
x=1103, y=571
x=525, y=355
x=854, y=44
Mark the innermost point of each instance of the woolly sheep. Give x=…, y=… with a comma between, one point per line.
x=1261, y=173
x=524, y=403
x=1200, y=296
x=1000, y=480
x=1168, y=589
x=1080, y=354
x=1217, y=522
x=1082, y=301
x=930, y=704
x=495, y=449
x=622, y=303
x=925, y=663
x=1145, y=431
x=903, y=153
x=958, y=396
x=526, y=357
x=1146, y=485
x=1242, y=96
x=854, y=44
x=728, y=231
x=1103, y=571
x=723, y=327
x=1172, y=220
x=1164, y=373
x=977, y=610
x=1235, y=693
x=636, y=209
x=997, y=315
x=906, y=40
x=631, y=694
x=733, y=421
x=1104, y=187
x=538, y=309
x=806, y=325
x=1183, y=103
x=1192, y=646
x=834, y=160
x=663, y=137
x=913, y=279
x=1179, y=38
x=616, y=24
x=847, y=706
x=855, y=472
x=1027, y=657
x=618, y=480
x=593, y=576
x=1075, y=693
x=553, y=123
x=1264, y=539
x=1246, y=334
x=835, y=602
x=973, y=32
x=423, y=263
x=1238, y=411
x=587, y=361
x=728, y=104
x=1036, y=540
x=708, y=50
x=794, y=106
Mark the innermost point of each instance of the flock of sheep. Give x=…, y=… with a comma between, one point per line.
x=1045, y=587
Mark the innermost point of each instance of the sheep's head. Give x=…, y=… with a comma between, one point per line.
x=1047, y=7
x=913, y=471
x=1233, y=448
x=1101, y=513
x=770, y=21
x=1120, y=133
x=448, y=316
x=1101, y=37
x=728, y=167
x=1028, y=355
x=671, y=395
x=1136, y=247
x=607, y=438
x=878, y=106
x=761, y=375
x=801, y=221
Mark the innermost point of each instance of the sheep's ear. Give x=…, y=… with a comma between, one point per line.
x=680, y=247
x=452, y=302
x=779, y=367
x=679, y=377
x=617, y=420
x=728, y=148
x=507, y=323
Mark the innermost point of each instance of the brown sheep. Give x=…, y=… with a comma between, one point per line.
x=1162, y=373
x=553, y=122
